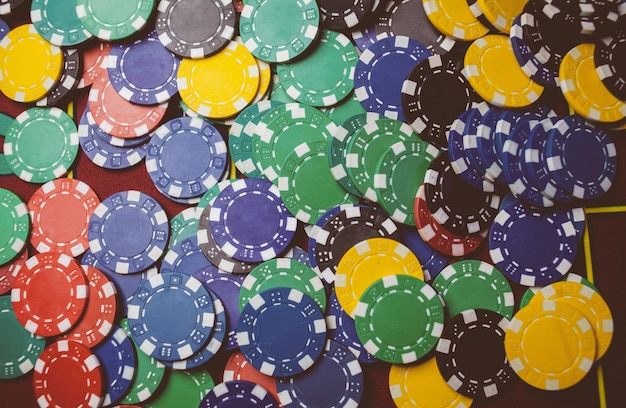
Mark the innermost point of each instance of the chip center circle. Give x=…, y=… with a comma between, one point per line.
x=282, y=321
x=127, y=229
x=63, y=229
x=169, y=315
x=399, y=330
x=194, y=152
x=276, y=35
x=202, y=15
x=246, y=211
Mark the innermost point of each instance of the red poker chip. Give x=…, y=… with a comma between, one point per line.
x=94, y=63
x=437, y=236
x=118, y=117
x=60, y=211
x=68, y=374
x=49, y=294
x=9, y=270
x=238, y=368
x=99, y=316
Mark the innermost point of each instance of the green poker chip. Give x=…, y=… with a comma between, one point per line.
x=305, y=82
x=14, y=225
x=182, y=389
x=399, y=174
x=282, y=272
x=399, y=319
x=58, y=23
x=5, y=124
x=183, y=225
x=41, y=144
x=473, y=284
x=114, y=19
x=343, y=111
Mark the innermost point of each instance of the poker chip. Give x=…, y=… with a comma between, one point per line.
x=570, y=277
x=25, y=138
x=9, y=270
x=340, y=17
x=545, y=258
x=282, y=273
x=491, y=68
x=143, y=72
x=437, y=236
x=64, y=361
x=249, y=221
x=363, y=37
x=337, y=372
x=117, y=359
x=128, y=232
x=149, y=373
x=21, y=348
x=306, y=184
x=279, y=131
x=434, y=94
x=237, y=368
x=366, y=147
x=422, y=385
x=94, y=63
x=499, y=13
x=98, y=317
x=68, y=81
x=581, y=159
x=4, y=29
x=183, y=388
x=183, y=225
x=118, y=117
x=49, y=294
x=559, y=345
x=345, y=109
x=388, y=307
x=185, y=157
x=293, y=344
x=57, y=22
x=470, y=143
x=473, y=284
x=193, y=28
x=305, y=83
x=21, y=51
x=381, y=70
x=15, y=224
x=162, y=332
x=184, y=257
x=116, y=20
x=240, y=393
x=470, y=354
x=589, y=302
x=5, y=123
x=367, y=262
x=235, y=82
x=300, y=23
x=455, y=19
x=454, y=204
x=583, y=88
x=344, y=230
x=608, y=66
x=431, y=260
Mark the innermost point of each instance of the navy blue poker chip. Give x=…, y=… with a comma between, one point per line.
x=184, y=257
x=338, y=373
x=381, y=70
x=4, y=29
x=485, y=144
x=364, y=37
x=281, y=332
x=116, y=354
x=529, y=63
x=240, y=394
x=143, y=72
x=250, y=222
x=171, y=316
x=185, y=157
x=128, y=232
x=533, y=247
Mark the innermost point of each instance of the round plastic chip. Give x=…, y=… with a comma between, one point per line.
x=57, y=22
x=14, y=225
x=114, y=19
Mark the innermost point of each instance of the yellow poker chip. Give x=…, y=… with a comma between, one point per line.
x=29, y=65
x=590, y=303
x=221, y=85
x=454, y=18
x=584, y=90
x=550, y=345
x=501, y=13
x=369, y=261
x=422, y=386
x=491, y=68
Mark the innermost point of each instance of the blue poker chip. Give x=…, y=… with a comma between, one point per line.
x=431, y=260
x=95, y=143
x=465, y=125
x=128, y=231
x=143, y=72
x=117, y=356
x=527, y=60
x=184, y=257
x=364, y=37
x=214, y=344
x=240, y=394
x=4, y=29
x=300, y=255
x=485, y=144
x=337, y=372
x=163, y=331
x=185, y=157
x=470, y=140
x=341, y=328
x=513, y=164
x=381, y=70
x=226, y=286
x=281, y=332
x=250, y=222
x=532, y=247
x=581, y=159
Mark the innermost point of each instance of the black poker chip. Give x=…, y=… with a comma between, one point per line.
x=470, y=354
x=344, y=14
x=610, y=60
x=70, y=76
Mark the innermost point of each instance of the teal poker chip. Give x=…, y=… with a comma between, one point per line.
x=57, y=22
x=114, y=19
x=14, y=225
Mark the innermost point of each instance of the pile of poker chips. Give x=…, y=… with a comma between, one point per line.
x=363, y=167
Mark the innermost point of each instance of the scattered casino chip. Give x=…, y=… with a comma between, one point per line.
x=15, y=224
x=114, y=20
x=58, y=23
